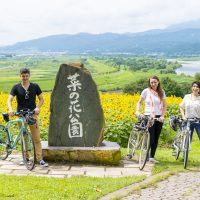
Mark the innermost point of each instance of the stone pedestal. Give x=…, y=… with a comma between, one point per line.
x=108, y=153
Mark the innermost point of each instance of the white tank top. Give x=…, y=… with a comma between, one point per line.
x=150, y=98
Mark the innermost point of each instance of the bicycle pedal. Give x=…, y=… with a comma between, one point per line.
x=129, y=156
x=173, y=146
x=173, y=153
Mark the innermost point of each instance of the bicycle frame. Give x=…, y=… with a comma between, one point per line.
x=140, y=137
x=184, y=132
x=13, y=142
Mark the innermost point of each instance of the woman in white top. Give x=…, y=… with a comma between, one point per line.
x=155, y=106
x=190, y=107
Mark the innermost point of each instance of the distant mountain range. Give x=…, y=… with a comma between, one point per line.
x=181, y=39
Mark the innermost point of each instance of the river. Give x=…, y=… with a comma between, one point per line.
x=189, y=67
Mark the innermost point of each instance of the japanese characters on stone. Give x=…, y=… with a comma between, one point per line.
x=75, y=128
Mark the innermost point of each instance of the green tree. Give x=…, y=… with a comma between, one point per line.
x=197, y=76
x=171, y=87
x=136, y=87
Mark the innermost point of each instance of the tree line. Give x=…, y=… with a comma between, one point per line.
x=143, y=64
x=171, y=87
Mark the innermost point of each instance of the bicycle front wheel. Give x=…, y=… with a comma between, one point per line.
x=177, y=145
x=3, y=143
x=132, y=143
x=144, y=150
x=186, y=150
x=28, y=150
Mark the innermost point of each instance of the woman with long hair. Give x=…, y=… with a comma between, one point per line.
x=155, y=106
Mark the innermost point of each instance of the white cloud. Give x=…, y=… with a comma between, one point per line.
x=23, y=20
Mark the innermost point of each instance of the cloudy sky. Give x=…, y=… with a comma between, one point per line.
x=22, y=20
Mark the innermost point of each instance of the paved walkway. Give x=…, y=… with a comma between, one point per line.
x=127, y=168
x=184, y=186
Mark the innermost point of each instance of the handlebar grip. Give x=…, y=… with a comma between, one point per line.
x=17, y=113
x=32, y=112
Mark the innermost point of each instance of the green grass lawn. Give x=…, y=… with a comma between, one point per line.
x=80, y=188
x=168, y=162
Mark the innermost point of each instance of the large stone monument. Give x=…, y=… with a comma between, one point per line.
x=76, y=120
x=76, y=114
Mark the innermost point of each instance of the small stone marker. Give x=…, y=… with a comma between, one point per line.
x=76, y=118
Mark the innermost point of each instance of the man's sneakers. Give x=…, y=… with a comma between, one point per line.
x=42, y=163
x=21, y=163
x=153, y=160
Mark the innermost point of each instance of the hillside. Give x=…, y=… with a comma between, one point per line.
x=182, y=42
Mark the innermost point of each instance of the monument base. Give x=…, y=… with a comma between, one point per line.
x=108, y=153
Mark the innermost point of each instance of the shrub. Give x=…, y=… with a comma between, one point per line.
x=136, y=87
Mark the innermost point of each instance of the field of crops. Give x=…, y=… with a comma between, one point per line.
x=118, y=112
x=45, y=67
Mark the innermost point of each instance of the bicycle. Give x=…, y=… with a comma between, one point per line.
x=139, y=140
x=183, y=138
x=8, y=143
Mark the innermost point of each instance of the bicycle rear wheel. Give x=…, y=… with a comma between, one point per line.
x=132, y=143
x=186, y=150
x=144, y=150
x=3, y=143
x=28, y=150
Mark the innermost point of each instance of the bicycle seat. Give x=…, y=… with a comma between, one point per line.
x=5, y=116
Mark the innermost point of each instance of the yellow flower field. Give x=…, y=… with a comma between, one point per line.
x=117, y=107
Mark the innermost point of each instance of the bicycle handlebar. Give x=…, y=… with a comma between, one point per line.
x=187, y=120
x=140, y=117
x=20, y=113
x=193, y=120
x=146, y=122
x=182, y=123
x=24, y=112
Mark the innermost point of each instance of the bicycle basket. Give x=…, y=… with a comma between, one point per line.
x=173, y=123
x=140, y=126
x=30, y=120
x=137, y=126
